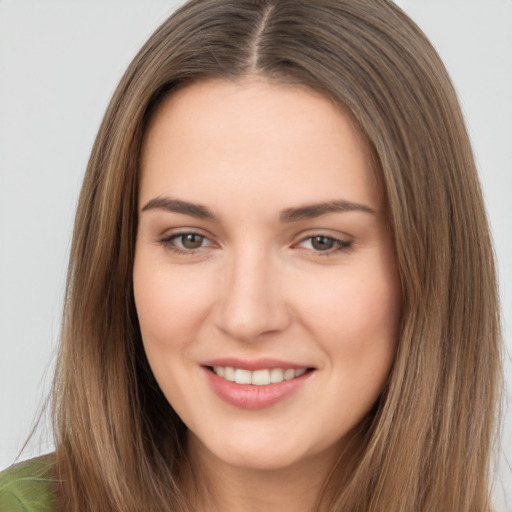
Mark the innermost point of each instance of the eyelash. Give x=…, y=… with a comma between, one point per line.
x=339, y=245
x=169, y=243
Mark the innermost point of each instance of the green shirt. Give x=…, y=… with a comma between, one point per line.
x=28, y=487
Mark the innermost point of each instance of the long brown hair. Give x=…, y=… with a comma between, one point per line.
x=120, y=446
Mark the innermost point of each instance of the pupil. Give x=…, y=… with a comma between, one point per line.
x=322, y=243
x=192, y=241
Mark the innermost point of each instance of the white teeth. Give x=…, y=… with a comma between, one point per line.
x=276, y=375
x=229, y=373
x=289, y=374
x=257, y=377
x=243, y=376
x=260, y=377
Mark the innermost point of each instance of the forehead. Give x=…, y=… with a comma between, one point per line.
x=193, y=105
x=255, y=134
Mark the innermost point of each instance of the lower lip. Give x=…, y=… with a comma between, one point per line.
x=248, y=396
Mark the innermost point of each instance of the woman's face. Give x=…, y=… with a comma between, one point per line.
x=265, y=280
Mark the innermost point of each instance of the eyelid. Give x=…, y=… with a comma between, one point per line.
x=341, y=244
x=167, y=241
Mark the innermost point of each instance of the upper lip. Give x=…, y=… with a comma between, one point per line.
x=254, y=364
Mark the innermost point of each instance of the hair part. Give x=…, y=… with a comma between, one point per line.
x=427, y=440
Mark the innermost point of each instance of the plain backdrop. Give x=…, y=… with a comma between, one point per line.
x=59, y=64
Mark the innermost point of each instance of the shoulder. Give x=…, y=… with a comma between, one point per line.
x=28, y=486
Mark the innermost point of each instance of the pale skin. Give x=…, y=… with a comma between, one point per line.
x=263, y=237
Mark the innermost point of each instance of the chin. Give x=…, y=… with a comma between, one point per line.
x=263, y=452
x=261, y=460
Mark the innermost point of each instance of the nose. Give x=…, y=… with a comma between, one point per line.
x=252, y=303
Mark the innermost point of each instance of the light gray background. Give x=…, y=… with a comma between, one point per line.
x=59, y=64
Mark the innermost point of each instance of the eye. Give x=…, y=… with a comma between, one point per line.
x=190, y=240
x=324, y=244
x=185, y=242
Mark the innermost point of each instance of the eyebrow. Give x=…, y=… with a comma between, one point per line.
x=312, y=211
x=309, y=211
x=177, y=206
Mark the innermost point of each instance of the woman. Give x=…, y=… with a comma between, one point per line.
x=277, y=187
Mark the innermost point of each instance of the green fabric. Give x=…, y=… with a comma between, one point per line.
x=27, y=487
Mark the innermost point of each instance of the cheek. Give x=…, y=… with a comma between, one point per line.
x=171, y=308
x=356, y=323
x=356, y=306
x=360, y=338
x=169, y=304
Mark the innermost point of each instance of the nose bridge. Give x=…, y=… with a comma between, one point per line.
x=252, y=303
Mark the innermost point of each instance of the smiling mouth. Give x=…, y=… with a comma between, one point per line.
x=262, y=377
